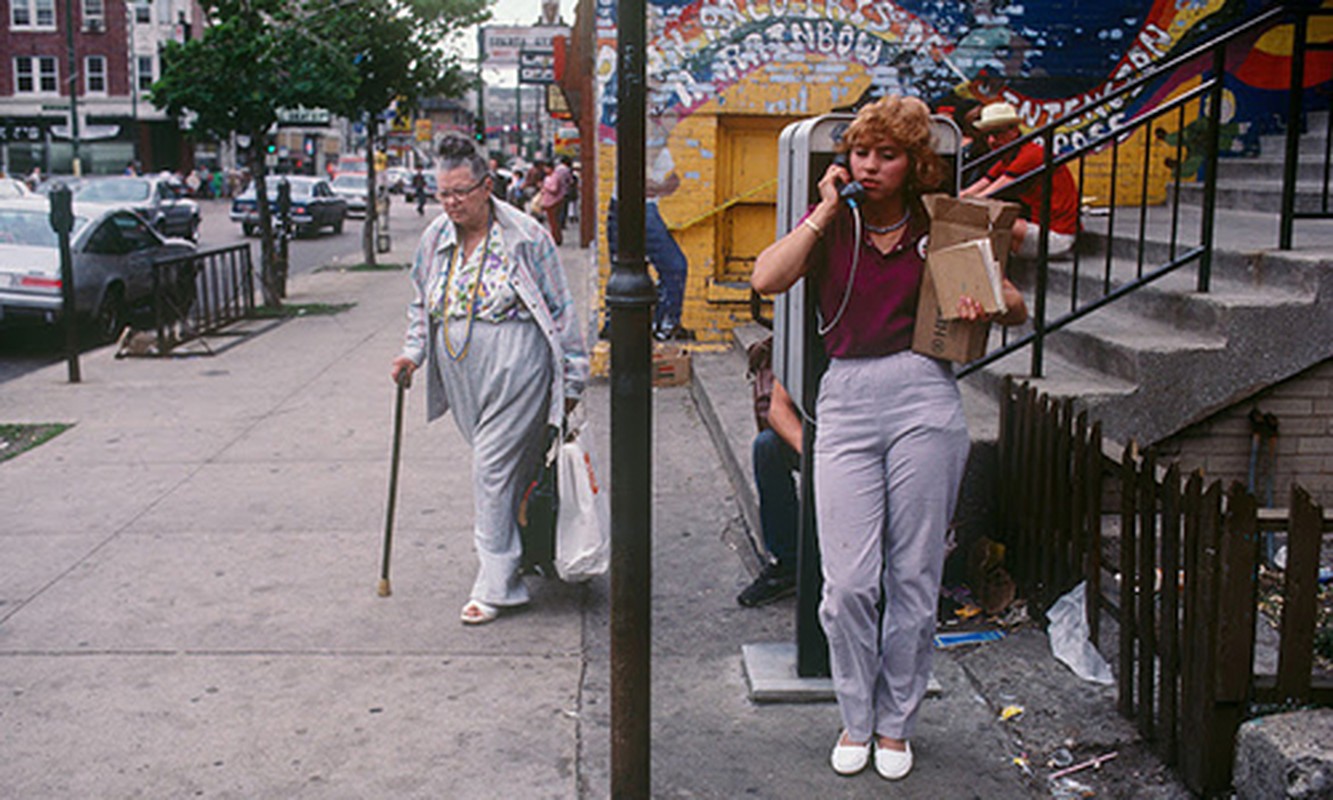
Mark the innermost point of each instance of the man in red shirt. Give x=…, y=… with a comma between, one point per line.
x=999, y=124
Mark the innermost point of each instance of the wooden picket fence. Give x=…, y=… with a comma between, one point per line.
x=1180, y=578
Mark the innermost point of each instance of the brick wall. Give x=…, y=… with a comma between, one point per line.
x=1303, y=406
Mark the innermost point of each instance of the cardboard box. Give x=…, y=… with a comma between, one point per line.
x=954, y=221
x=671, y=365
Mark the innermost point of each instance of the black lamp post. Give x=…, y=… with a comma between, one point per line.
x=630, y=295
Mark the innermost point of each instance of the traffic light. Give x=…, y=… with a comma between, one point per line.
x=480, y=131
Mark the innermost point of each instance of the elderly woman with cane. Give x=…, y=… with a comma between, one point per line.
x=892, y=441
x=492, y=320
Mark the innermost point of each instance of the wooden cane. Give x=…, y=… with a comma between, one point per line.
x=384, y=590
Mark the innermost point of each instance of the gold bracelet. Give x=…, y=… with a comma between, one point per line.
x=809, y=223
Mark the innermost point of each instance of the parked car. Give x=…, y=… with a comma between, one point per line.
x=351, y=186
x=113, y=249
x=158, y=199
x=314, y=205
x=13, y=187
x=48, y=183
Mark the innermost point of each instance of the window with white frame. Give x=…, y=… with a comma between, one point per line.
x=32, y=14
x=94, y=75
x=145, y=77
x=35, y=75
x=94, y=13
x=143, y=11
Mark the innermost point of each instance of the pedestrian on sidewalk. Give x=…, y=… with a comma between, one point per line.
x=419, y=191
x=892, y=439
x=776, y=454
x=555, y=194
x=493, y=321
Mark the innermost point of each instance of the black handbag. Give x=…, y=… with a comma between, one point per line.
x=538, y=509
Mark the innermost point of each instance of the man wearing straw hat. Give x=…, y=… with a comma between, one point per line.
x=999, y=124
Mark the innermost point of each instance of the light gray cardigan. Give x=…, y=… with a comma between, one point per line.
x=538, y=280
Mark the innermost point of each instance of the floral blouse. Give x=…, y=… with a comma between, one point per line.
x=496, y=300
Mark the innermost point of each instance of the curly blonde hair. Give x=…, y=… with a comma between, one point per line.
x=905, y=120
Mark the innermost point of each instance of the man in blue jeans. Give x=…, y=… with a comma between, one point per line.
x=777, y=454
x=659, y=247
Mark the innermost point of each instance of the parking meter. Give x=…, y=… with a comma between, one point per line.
x=62, y=222
x=285, y=225
x=285, y=206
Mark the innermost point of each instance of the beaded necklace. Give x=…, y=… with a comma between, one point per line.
x=455, y=258
x=889, y=228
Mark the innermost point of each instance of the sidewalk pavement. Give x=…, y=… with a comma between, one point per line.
x=188, y=605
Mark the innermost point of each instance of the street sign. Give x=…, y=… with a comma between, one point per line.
x=305, y=117
x=501, y=44
x=536, y=67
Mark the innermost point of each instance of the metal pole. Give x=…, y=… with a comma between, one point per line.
x=76, y=166
x=1210, y=167
x=62, y=222
x=1294, y=103
x=629, y=295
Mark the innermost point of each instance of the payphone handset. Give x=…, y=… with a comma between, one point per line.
x=852, y=193
x=805, y=150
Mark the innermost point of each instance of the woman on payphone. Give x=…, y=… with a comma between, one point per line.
x=892, y=441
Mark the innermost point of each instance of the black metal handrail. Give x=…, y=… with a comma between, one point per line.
x=1295, y=119
x=1118, y=278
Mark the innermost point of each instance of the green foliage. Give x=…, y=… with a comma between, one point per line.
x=252, y=60
x=398, y=47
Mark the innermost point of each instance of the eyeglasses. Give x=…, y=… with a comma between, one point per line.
x=458, y=194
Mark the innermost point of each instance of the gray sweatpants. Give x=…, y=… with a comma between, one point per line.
x=889, y=456
x=499, y=393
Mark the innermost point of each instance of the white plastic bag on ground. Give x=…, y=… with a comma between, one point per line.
x=583, y=526
x=1068, y=632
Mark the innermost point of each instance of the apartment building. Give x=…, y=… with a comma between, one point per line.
x=101, y=75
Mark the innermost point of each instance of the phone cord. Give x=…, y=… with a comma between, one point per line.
x=851, y=278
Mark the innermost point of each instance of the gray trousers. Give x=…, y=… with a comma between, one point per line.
x=889, y=456
x=498, y=394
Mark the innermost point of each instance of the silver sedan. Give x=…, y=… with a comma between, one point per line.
x=113, y=250
x=157, y=198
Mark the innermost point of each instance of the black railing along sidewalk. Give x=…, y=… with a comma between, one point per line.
x=198, y=294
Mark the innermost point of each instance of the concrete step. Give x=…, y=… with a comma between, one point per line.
x=1172, y=298
x=1261, y=195
x=1312, y=142
x=1245, y=243
x=1309, y=169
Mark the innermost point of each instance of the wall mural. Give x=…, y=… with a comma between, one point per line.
x=1048, y=58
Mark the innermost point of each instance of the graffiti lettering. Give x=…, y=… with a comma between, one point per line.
x=1092, y=133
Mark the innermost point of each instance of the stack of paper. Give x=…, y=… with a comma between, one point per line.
x=967, y=269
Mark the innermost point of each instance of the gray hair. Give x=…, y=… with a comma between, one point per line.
x=456, y=151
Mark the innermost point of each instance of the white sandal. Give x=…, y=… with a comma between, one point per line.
x=478, y=613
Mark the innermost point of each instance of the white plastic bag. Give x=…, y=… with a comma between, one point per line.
x=1068, y=632
x=583, y=526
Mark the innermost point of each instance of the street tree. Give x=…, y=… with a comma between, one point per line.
x=253, y=58
x=402, y=53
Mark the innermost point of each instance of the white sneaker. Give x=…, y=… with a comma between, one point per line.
x=849, y=759
x=893, y=765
